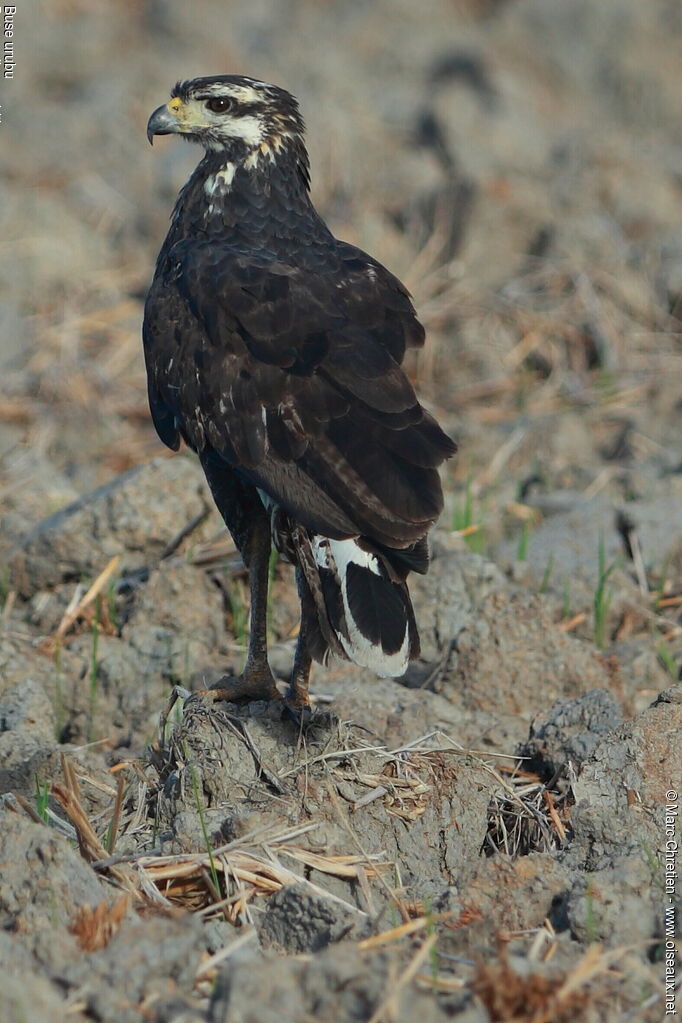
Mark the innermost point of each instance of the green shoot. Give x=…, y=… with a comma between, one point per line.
x=272, y=564
x=431, y=929
x=590, y=918
x=547, y=574
x=112, y=607
x=522, y=549
x=667, y=660
x=566, y=602
x=4, y=586
x=42, y=797
x=654, y=865
x=602, y=596
x=463, y=522
x=463, y=515
x=202, y=820
x=184, y=679
x=660, y=590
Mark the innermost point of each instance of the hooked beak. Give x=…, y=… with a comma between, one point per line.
x=162, y=122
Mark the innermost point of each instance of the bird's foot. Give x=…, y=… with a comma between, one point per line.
x=255, y=683
x=306, y=716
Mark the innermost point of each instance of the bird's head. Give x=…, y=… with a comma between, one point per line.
x=240, y=116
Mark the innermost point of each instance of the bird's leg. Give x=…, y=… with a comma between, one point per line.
x=297, y=699
x=257, y=671
x=297, y=695
x=256, y=681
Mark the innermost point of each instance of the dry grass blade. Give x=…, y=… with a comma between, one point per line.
x=74, y=613
x=595, y=962
x=337, y=866
x=524, y=817
x=91, y=848
x=94, y=928
x=556, y=819
x=385, y=1009
x=405, y=930
x=207, y=969
x=247, y=873
x=116, y=816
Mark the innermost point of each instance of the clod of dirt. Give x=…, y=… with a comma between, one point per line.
x=425, y=810
x=511, y=987
x=27, y=741
x=150, y=961
x=621, y=789
x=620, y=900
x=494, y=650
x=26, y=994
x=505, y=896
x=338, y=985
x=296, y=921
x=176, y=625
x=384, y=705
x=571, y=731
x=131, y=517
x=446, y=600
x=43, y=879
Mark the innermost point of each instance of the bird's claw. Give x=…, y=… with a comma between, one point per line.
x=248, y=687
x=305, y=717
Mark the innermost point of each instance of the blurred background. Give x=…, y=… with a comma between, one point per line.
x=518, y=163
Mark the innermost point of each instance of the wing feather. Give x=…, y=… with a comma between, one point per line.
x=292, y=374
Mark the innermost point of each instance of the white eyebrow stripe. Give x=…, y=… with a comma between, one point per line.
x=243, y=93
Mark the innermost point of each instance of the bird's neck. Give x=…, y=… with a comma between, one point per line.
x=262, y=200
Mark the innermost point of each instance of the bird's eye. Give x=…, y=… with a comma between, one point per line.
x=219, y=104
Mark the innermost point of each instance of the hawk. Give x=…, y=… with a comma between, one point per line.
x=274, y=351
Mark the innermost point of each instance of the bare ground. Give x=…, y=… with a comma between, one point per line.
x=481, y=840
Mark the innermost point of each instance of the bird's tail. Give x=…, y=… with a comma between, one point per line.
x=356, y=603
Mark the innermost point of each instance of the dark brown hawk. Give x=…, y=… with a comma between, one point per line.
x=274, y=351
